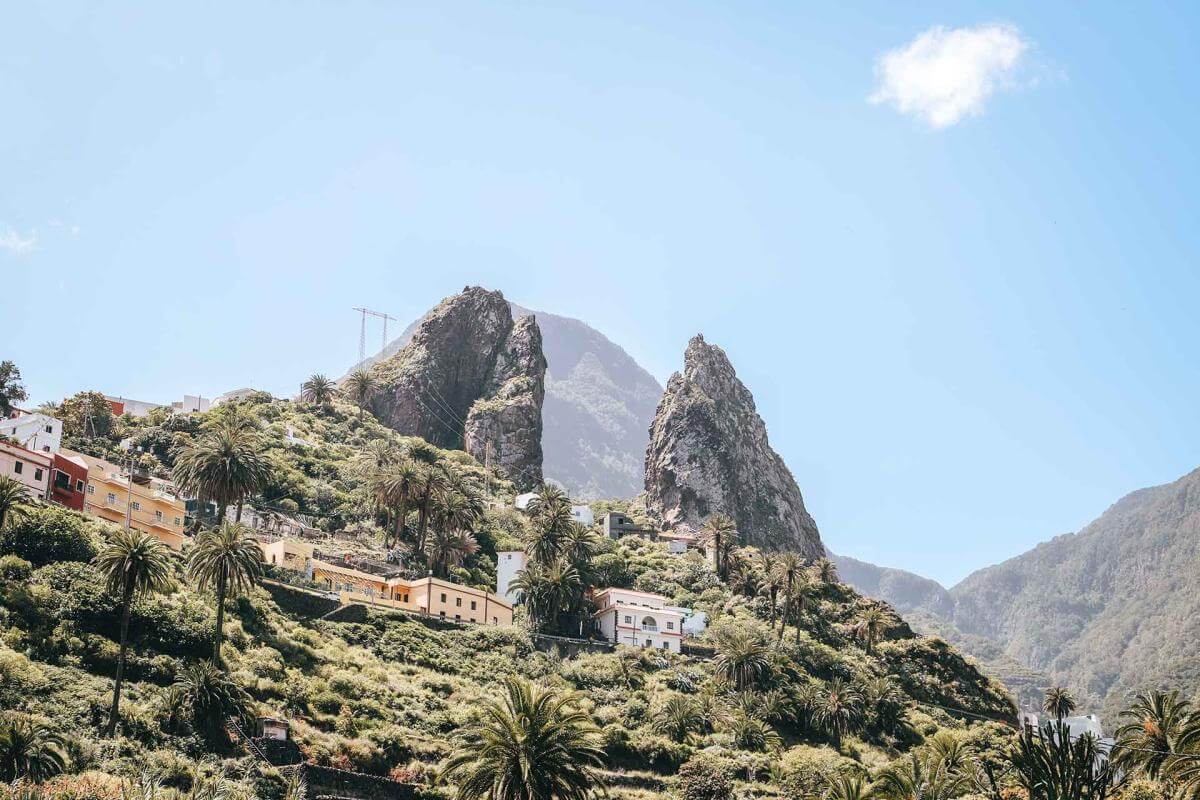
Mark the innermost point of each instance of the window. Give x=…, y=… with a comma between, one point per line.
x=443, y=597
x=649, y=624
x=49, y=429
x=18, y=467
x=472, y=606
x=91, y=489
x=458, y=617
x=177, y=522
x=666, y=645
x=137, y=506
x=441, y=613
x=628, y=620
x=45, y=448
x=648, y=643
x=458, y=602
x=670, y=626
x=62, y=480
x=158, y=517
x=37, y=474
x=79, y=486
x=495, y=620
x=472, y=619
x=112, y=498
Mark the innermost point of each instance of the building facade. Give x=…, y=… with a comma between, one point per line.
x=28, y=468
x=33, y=431
x=430, y=596
x=638, y=619
x=151, y=505
x=68, y=481
x=508, y=564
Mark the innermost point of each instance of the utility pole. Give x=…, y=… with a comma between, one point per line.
x=129, y=489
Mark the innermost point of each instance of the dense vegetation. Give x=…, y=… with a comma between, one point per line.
x=124, y=667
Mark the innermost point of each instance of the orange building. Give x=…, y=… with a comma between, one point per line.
x=150, y=504
x=432, y=596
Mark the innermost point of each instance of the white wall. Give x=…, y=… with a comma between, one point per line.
x=30, y=431
x=508, y=564
x=583, y=515
x=34, y=468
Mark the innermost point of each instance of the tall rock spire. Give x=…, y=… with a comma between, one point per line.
x=709, y=454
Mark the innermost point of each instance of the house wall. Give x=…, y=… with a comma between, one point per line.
x=453, y=601
x=27, y=468
x=288, y=553
x=508, y=564
x=157, y=511
x=34, y=431
x=68, y=482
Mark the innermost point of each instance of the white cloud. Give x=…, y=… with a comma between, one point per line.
x=12, y=240
x=944, y=75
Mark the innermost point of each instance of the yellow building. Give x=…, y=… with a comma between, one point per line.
x=287, y=553
x=432, y=596
x=151, y=504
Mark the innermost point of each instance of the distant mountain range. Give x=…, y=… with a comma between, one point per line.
x=1107, y=611
x=597, y=412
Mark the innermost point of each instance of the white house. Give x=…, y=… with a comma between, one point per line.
x=1086, y=723
x=27, y=467
x=523, y=500
x=33, y=431
x=583, y=515
x=638, y=619
x=190, y=403
x=236, y=394
x=508, y=564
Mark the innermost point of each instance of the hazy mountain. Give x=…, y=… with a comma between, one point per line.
x=1109, y=610
x=597, y=411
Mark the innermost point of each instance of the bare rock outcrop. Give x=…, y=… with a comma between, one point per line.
x=470, y=376
x=709, y=454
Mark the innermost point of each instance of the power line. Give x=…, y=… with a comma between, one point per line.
x=446, y=404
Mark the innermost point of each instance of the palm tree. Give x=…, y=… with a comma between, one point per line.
x=228, y=559
x=885, y=701
x=550, y=511
x=790, y=568
x=535, y=744
x=772, y=583
x=317, y=390
x=1184, y=771
x=870, y=625
x=1059, y=702
x=1051, y=764
x=213, y=698
x=360, y=386
x=825, y=571
x=30, y=750
x=224, y=466
x=754, y=734
x=920, y=778
x=720, y=533
x=836, y=709
x=133, y=563
x=13, y=499
x=394, y=487
x=847, y=787
x=432, y=480
x=548, y=590
x=1156, y=722
x=448, y=548
x=679, y=718
x=743, y=659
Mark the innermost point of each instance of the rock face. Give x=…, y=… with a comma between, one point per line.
x=599, y=405
x=469, y=377
x=505, y=426
x=709, y=454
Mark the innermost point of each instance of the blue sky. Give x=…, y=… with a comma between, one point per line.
x=965, y=336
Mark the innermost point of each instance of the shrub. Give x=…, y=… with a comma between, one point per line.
x=807, y=770
x=705, y=778
x=14, y=569
x=45, y=535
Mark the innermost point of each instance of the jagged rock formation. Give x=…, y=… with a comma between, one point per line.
x=598, y=407
x=709, y=454
x=468, y=377
x=505, y=426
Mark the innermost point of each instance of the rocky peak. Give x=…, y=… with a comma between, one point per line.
x=469, y=375
x=709, y=454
